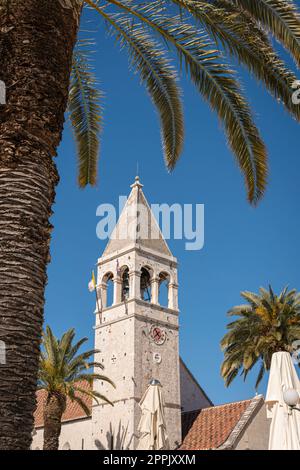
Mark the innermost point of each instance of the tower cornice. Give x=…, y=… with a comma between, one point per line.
x=165, y=259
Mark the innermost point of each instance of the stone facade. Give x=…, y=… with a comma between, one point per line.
x=85, y=434
x=137, y=336
x=124, y=336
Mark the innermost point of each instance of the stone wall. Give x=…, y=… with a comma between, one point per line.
x=192, y=396
x=75, y=435
x=256, y=434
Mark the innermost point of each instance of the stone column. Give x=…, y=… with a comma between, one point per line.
x=173, y=296
x=155, y=291
x=135, y=285
x=103, y=295
x=117, y=290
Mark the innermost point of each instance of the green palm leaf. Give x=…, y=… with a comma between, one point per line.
x=271, y=323
x=238, y=33
x=82, y=404
x=149, y=60
x=282, y=19
x=218, y=85
x=236, y=26
x=85, y=114
x=62, y=371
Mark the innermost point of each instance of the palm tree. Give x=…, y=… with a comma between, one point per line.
x=44, y=72
x=267, y=324
x=61, y=374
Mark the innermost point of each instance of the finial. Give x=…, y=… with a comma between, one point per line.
x=137, y=183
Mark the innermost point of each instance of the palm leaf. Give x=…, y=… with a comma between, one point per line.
x=270, y=324
x=91, y=377
x=75, y=348
x=217, y=84
x=60, y=370
x=240, y=35
x=282, y=19
x=260, y=375
x=149, y=60
x=93, y=394
x=82, y=404
x=85, y=114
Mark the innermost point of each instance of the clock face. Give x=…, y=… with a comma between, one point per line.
x=158, y=335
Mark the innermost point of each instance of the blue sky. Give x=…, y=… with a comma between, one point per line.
x=245, y=248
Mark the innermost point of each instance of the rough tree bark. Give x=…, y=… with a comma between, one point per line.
x=54, y=407
x=36, y=43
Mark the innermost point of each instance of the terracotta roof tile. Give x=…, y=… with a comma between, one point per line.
x=209, y=428
x=73, y=410
x=201, y=429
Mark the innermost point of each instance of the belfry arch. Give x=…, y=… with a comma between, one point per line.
x=163, y=289
x=107, y=290
x=125, y=285
x=146, y=275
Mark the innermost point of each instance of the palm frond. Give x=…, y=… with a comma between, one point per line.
x=271, y=323
x=73, y=351
x=260, y=375
x=156, y=73
x=235, y=30
x=217, y=83
x=91, y=377
x=82, y=404
x=93, y=394
x=85, y=110
x=51, y=346
x=282, y=19
x=61, y=370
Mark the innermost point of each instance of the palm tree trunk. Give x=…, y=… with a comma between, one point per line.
x=53, y=411
x=36, y=42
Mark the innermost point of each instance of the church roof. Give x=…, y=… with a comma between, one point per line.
x=137, y=226
x=217, y=426
x=73, y=410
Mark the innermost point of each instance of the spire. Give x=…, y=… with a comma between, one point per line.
x=137, y=225
x=137, y=183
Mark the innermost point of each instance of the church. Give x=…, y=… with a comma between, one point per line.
x=138, y=340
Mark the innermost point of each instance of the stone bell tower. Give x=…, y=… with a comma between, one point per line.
x=136, y=336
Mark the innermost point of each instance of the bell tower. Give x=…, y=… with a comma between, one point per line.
x=136, y=331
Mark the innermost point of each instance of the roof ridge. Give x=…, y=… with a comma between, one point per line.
x=222, y=404
x=232, y=403
x=210, y=428
x=240, y=426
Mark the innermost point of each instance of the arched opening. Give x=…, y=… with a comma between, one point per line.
x=108, y=294
x=125, y=283
x=145, y=285
x=163, y=293
x=66, y=446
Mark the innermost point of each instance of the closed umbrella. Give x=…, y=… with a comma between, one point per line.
x=285, y=425
x=152, y=425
